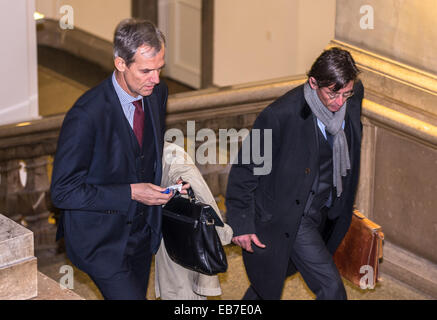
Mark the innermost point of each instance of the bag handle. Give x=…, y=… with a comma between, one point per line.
x=215, y=219
x=190, y=191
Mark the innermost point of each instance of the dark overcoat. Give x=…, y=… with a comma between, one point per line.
x=271, y=206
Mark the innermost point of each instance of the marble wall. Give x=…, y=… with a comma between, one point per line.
x=402, y=30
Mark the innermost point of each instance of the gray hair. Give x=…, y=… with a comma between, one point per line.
x=131, y=34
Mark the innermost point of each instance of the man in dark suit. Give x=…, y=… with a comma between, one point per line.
x=296, y=216
x=107, y=168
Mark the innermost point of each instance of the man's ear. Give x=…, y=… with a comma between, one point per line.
x=313, y=83
x=120, y=64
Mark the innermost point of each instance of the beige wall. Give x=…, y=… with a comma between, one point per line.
x=257, y=39
x=98, y=17
x=253, y=39
x=18, y=85
x=403, y=30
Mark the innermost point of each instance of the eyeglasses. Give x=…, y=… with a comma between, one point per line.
x=334, y=95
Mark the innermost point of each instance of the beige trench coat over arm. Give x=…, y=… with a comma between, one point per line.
x=173, y=281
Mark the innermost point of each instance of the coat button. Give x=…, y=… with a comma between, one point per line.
x=287, y=235
x=297, y=201
x=307, y=170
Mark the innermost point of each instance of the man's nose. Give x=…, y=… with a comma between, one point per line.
x=340, y=100
x=155, y=76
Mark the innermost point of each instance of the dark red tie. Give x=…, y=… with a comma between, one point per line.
x=139, y=121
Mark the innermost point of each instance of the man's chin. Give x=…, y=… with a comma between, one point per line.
x=146, y=92
x=334, y=108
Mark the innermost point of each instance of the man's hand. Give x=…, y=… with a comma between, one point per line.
x=184, y=187
x=245, y=241
x=149, y=194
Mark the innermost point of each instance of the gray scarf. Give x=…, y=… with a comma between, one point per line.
x=333, y=123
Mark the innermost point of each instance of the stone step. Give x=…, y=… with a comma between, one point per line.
x=16, y=242
x=18, y=281
x=49, y=289
x=18, y=265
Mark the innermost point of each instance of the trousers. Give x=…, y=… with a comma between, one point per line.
x=131, y=281
x=313, y=260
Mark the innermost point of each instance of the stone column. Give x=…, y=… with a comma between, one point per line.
x=10, y=187
x=35, y=203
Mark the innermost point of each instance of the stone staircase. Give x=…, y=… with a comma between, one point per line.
x=19, y=276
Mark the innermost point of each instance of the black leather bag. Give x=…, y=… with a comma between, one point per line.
x=190, y=237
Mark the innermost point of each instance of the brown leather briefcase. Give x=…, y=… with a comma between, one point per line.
x=357, y=257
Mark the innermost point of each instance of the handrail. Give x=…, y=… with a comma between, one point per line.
x=235, y=95
x=399, y=121
x=200, y=100
x=216, y=99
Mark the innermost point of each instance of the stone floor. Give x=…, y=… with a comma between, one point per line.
x=234, y=282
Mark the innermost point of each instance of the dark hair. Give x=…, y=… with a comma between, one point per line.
x=334, y=66
x=133, y=33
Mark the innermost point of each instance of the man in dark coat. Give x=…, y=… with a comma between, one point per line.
x=107, y=168
x=295, y=216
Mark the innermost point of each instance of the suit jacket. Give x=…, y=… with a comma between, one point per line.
x=97, y=159
x=271, y=206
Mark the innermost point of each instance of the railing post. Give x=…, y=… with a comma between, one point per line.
x=10, y=187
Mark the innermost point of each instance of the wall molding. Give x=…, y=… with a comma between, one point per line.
x=400, y=122
x=396, y=85
x=373, y=62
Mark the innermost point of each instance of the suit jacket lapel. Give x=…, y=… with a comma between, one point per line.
x=353, y=134
x=153, y=107
x=121, y=124
x=310, y=132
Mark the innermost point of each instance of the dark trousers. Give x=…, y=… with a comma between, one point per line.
x=313, y=260
x=131, y=282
